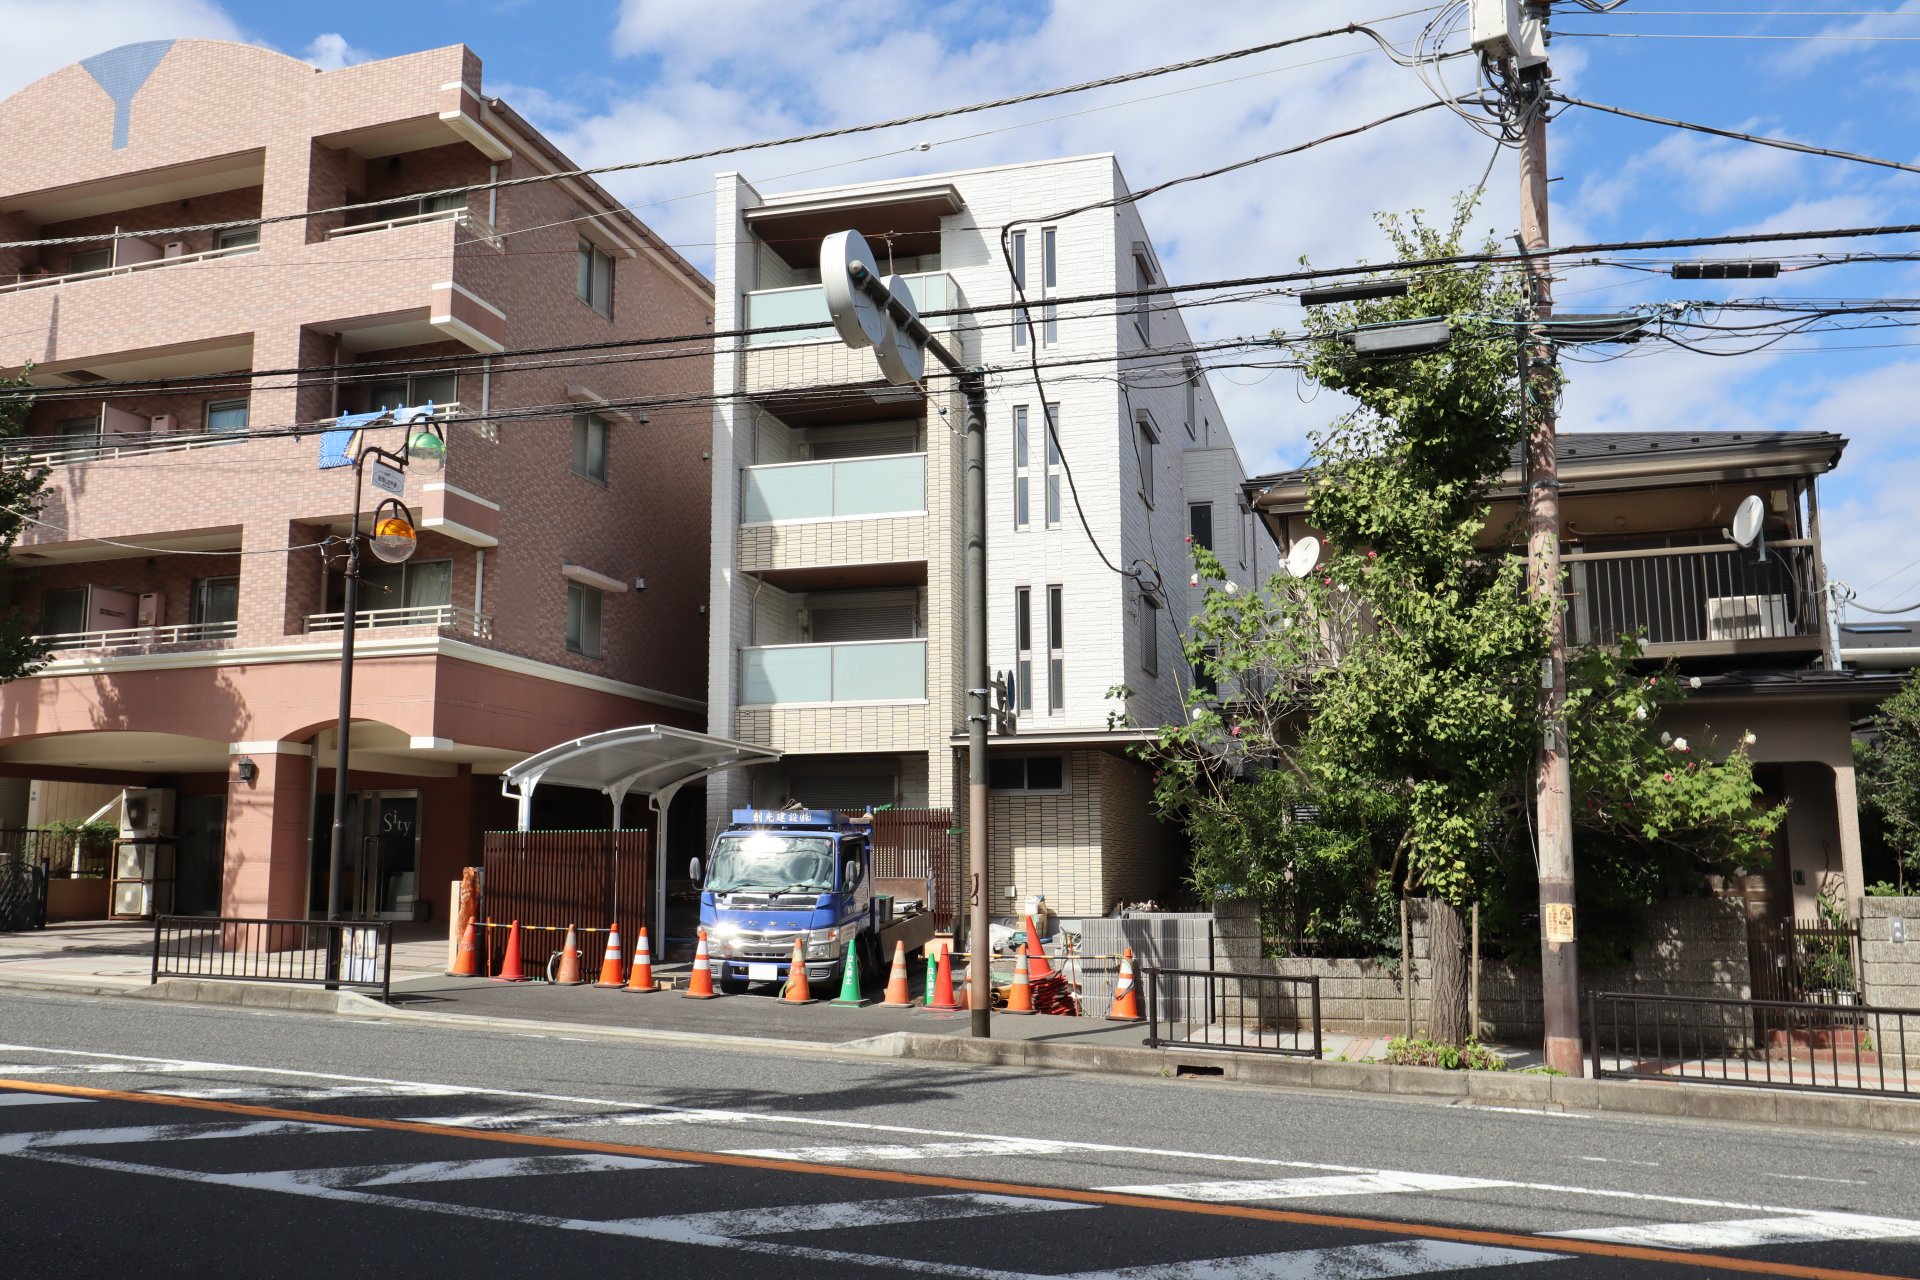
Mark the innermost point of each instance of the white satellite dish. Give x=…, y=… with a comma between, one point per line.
x=1746, y=520
x=859, y=320
x=901, y=359
x=1304, y=556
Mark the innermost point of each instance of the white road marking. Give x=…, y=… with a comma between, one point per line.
x=1532, y=1111
x=1344, y=1262
x=155, y=1066
x=17, y=1143
x=671, y=1114
x=1807, y=1177
x=578, y=1119
x=438, y=1171
x=778, y=1220
x=1645, y=1164
x=1357, y=1184
x=905, y=1151
x=1793, y=1228
x=313, y=1093
x=33, y=1099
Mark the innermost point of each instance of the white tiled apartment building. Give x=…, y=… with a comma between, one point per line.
x=835, y=587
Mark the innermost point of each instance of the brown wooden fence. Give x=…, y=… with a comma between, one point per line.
x=548, y=880
x=915, y=844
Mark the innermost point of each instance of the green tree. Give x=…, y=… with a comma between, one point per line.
x=1891, y=776
x=1378, y=725
x=20, y=498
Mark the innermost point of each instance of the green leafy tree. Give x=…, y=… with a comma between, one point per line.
x=1377, y=723
x=1891, y=774
x=20, y=498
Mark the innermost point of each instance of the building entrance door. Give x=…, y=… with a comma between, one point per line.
x=380, y=859
x=201, y=855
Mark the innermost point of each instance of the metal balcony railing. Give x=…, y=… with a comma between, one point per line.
x=848, y=671
x=447, y=617
x=478, y=226
x=62, y=451
x=138, y=639
x=841, y=489
x=125, y=268
x=807, y=304
x=1709, y=595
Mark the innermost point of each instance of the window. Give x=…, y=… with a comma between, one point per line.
x=1193, y=400
x=590, y=446
x=1150, y=635
x=63, y=612
x=215, y=600
x=236, y=237
x=1054, y=466
x=1023, y=647
x=408, y=589
x=77, y=428
x=596, y=278
x=225, y=416
x=1056, y=651
x=1200, y=523
x=1142, y=282
x=1143, y=436
x=404, y=392
x=1017, y=249
x=1027, y=773
x=89, y=260
x=1050, y=281
x=1245, y=532
x=1203, y=679
x=1022, y=495
x=583, y=620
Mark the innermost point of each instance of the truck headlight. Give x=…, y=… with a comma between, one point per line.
x=825, y=944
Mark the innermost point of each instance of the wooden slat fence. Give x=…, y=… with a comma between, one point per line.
x=556, y=878
x=917, y=844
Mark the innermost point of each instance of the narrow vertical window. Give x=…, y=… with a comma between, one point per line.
x=583, y=620
x=1150, y=635
x=1142, y=282
x=1050, y=281
x=1200, y=524
x=595, y=282
x=1056, y=651
x=1018, y=249
x=1022, y=513
x=1023, y=647
x=1143, y=437
x=1054, y=466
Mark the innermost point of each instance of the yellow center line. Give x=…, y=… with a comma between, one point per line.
x=1074, y=1195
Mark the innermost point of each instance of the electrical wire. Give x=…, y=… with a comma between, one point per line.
x=1783, y=144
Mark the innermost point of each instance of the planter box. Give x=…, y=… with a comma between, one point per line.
x=76, y=900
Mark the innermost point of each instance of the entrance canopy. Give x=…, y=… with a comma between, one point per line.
x=654, y=759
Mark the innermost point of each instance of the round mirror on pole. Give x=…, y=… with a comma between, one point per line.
x=901, y=359
x=858, y=318
x=426, y=444
x=394, y=539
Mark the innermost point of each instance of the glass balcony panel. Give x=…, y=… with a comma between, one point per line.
x=787, y=673
x=839, y=489
x=874, y=486
x=889, y=671
x=772, y=308
x=787, y=493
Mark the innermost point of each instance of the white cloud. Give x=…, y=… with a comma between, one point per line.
x=42, y=38
x=330, y=51
x=1845, y=39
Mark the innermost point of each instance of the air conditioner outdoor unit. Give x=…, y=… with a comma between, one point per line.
x=146, y=812
x=163, y=422
x=1747, y=617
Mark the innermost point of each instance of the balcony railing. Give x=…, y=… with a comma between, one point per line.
x=151, y=264
x=138, y=639
x=478, y=226
x=841, y=489
x=447, y=617
x=61, y=451
x=1705, y=596
x=807, y=305
x=850, y=671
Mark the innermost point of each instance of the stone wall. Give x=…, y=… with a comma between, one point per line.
x=1695, y=947
x=1889, y=969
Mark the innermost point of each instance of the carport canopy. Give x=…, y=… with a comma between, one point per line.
x=654, y=759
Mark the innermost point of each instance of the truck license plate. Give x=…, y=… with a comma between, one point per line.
x=763, y=973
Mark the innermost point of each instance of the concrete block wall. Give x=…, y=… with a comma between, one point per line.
x=1889, y=970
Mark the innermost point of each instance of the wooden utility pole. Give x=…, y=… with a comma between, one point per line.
x=1553, y=816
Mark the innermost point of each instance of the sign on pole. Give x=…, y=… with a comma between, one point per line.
x=388, y=479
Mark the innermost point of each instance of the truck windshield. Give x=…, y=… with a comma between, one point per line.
x=771, y=862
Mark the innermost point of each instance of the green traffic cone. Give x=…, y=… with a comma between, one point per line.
x=926, y=997
x=850, y=978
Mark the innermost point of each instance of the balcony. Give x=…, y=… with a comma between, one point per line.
x=842, y=489
x=807, y=305
x=137, y=640
x=474, y=225
x=1697, y=601
x=813, y=356
x=450, y=618
x=859, y=671
x=125, y=268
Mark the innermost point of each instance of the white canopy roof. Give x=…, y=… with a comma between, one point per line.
x=650, y=758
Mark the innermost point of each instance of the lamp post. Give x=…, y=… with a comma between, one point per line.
x=393, y=540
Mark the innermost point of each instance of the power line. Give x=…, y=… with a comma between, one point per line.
x=1783, y=144
x=1690, y=35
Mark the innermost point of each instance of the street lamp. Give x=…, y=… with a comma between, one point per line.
x=394, y=540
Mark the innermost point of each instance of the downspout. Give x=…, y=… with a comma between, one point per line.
x=1829, y=620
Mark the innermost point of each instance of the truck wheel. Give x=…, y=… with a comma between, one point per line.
x=871, y=961
x=733, y=986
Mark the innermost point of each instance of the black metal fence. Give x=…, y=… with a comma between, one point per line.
x=1805, y=960
x=230, y=949
x=23, y=892
x=1244, y=1012
x=1768, y=1044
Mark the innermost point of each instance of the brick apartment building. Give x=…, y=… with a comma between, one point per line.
x=178, y=571
x=836, y=573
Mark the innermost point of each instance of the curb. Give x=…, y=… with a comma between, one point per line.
x=1548, y=1094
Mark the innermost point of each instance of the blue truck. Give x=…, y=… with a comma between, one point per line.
x=779, y=874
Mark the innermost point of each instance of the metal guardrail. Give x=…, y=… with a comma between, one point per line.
x=1763, y=1044
x=138, y=638
x=148, y=264
x=480, y=228
x=1694, y=595
x=450, y=616
x=236, y=949
x=1242, y=1012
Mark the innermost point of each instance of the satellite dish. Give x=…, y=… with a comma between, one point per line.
x=860, y=322
x=1746, y=520
x=901, y=359
x=1304, y=556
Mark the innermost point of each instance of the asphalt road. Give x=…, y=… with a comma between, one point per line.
x=141, y=1139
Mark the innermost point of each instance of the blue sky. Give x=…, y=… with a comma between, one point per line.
x=615, y=81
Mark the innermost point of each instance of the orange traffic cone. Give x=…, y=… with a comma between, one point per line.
x=1126, y=997
x=943, y=984
x=466, y=961
x=797, y=991
x=569, y=975
x=510, y=963
x=1036, y=954
x=641, y=979
x=610, y=965
x=899, y=995
x=1020, y=995
x=700, y=981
